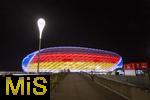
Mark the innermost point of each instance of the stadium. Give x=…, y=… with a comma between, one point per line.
x=76, y=59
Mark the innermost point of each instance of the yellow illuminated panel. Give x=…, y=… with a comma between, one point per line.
x=45, y=66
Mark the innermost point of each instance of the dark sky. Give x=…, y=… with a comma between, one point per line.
x=121, y=26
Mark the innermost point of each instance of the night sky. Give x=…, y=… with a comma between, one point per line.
x=121, y=26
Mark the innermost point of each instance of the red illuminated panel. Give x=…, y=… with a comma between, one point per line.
x=136, y=66
x=143, y=66
x=75, y=58
x=129, y=66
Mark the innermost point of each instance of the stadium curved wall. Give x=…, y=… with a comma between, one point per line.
x=55, y=59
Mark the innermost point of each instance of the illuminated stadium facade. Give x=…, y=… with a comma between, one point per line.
x=76, y=59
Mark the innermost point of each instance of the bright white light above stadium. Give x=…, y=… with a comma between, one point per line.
x=41, y=25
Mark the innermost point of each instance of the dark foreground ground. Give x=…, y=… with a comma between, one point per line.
x=78, y=87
